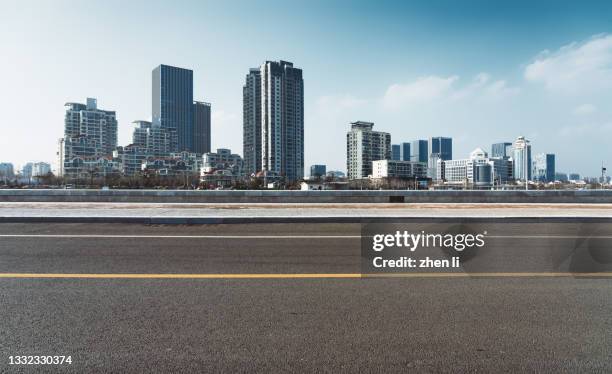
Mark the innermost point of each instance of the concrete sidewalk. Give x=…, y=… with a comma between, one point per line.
x=238, y=213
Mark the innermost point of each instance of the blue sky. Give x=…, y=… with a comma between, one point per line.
x=479, y=71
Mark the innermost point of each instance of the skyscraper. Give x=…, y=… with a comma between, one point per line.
x=364, y=146
x=201, y=127
x=501, y=150
x=404, y=152
x=440, y=148
x=521, y=155
x=418, y=151
x=251, y=122
x=172, y=104
x=279, y=123
x=544, y=167
x=395, y=152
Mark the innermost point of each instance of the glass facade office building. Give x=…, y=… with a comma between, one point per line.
x=501, y=150
x=395, y=152
x=172, y=104
x=418, y=151
x=201, y=127
x=544, y=167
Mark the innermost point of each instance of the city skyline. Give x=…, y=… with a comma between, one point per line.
x=462, y=86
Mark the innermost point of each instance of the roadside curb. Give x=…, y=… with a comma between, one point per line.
x=294, y=219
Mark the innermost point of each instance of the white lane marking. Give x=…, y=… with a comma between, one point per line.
x=103, y=236
x=183, y=236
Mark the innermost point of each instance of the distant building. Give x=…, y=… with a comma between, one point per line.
x=439, y=149
x=177, y=164
x=172, y=104
x=201, y=127
x=521, y=157
x=544, y=167
x=401, y=152
x=26, y=170
x=561, y=177
x=310, y=185
x=395, y=152
x=317, y=171
x=223, y=159
x=282, y=119
x=273, y=121
x=7, y=171
x=251, y=122
x=89, y=133
x=221, y=168
x=405, y=152
x=419, y=151
x=131, y=158
x=574, y=176
x=99, y=126
x=398, y=169
x=501, y=150
x=363, y=145
x=476, y=171
x=335, y=174
x=153, y=139
x=40, y=169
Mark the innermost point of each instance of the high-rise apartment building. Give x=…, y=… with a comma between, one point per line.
x=274, y=133
x=251, y=122
x=501, y=150
x=7, y=171
x=363, y=145
x=201, y=127
x=89, y=133
x=544, y=167
x=172, y=104
x=99, y=126
x=521, y=157
x=153, y=139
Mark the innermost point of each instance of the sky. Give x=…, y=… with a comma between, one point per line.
x=480, y=72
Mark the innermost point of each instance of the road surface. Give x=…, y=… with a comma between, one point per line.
x=233, y=323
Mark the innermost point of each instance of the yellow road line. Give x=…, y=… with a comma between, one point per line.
x=298, y=275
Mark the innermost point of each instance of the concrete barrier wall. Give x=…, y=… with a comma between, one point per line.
x=384, y=196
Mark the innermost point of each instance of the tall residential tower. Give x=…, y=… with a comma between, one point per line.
x=364, y=146
x=278, y=91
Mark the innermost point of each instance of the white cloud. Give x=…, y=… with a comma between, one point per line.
x=576, y=67
x=333, y=105
x=592, y=130
x=434, y=88
x=422, y=90
x=584, y=109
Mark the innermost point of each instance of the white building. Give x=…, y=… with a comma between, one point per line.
x=40, y=169
x=398, y=169
x=477, y=171
x=364, y=146
x=521, y=158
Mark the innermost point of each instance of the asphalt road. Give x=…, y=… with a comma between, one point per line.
x=441, y=324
